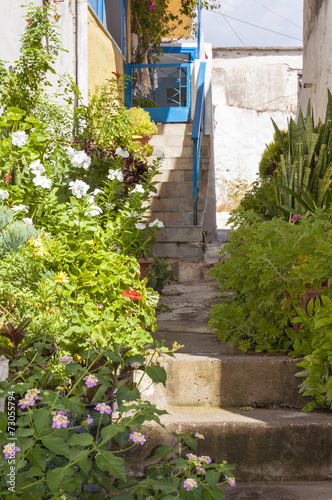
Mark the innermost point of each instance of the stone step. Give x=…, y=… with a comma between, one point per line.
x=265, y=445
x=175, y=250
x=228, y=380
x=280, y=490
x=182, y=164
x=174, y=204
x=174, y=129
x=179, y=176
x=180, y=234
x=175, y=189
x=183, y=151
x=159, y=141
x=180, y=218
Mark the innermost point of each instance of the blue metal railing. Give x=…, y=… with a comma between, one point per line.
x=163, y=89
x=197, y=135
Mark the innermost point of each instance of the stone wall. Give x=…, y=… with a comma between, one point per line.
x=317, y=58
x=249, y=87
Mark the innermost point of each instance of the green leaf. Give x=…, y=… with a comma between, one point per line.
x=19, y=362
x=56, y=477
x=56, y=444
x=85, y=465
x=108, y=462
x=212, y=478
x=167, y=485
x=3, y=422
x=108, y=431
x=91, y=310
x=37, y=458
x=157, y=374
x=80, y=440
x=310, y=406
x=213, y=495
x=162, y=451
x=41, y=419
x=125, y=394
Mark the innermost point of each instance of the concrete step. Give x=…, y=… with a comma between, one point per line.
x=180, y=234
x=159, y=141
x=179, y=176
x=175, y=250
x=174, y=204
x=182, y=163
x=265, y=445
x=174, y=129
x=280, y=490
x=183, y=151
x=169, y=218
x=175, y=189
x=228, y=380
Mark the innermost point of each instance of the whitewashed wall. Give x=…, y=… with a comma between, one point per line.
x=74, y=60
x=317, y=56
x=250, y=86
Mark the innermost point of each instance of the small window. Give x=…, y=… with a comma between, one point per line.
x=112, y=13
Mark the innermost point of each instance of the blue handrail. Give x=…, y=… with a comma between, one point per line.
x=197, y=135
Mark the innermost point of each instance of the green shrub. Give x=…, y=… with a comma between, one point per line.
x=269, y=266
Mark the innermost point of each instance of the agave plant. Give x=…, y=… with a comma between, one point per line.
x=303, y=179
x=13, y=235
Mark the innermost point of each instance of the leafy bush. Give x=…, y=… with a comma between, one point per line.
x=317, y=366
x=267, y=269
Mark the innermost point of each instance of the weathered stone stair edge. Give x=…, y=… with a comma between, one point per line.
x=264, y=444
x=228, y=380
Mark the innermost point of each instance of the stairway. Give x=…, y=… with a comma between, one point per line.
x=180, y=242
x=246, y=405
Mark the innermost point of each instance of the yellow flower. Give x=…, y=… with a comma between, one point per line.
x=40, y=251
x=35, y=243
x=58, y=291
x=61, y=303
x=77, y=356
x=176, y=346
x=61, y=277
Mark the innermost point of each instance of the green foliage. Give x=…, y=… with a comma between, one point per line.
x=142, y=124
x=272, y=155
x=159, y=274
x=303, y=179
x=281, y=260
x=153, y=20
x=317, y=366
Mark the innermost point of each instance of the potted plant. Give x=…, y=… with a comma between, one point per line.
x=143, y=128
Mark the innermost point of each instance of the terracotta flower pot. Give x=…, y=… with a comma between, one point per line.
x=143, y=139
x=144, y=265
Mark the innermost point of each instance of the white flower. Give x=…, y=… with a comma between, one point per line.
x=20, y=208
x=156, y=222
x=115, y=174
x=19, y=138
x=139, y=225
x=97, y=191
x=43, y=182
x=4, y=195
x=37, y=168
x=138, y=189
x=110, y=206
x=81, y=159
x=134, y=214
x=78, y=188
x=94, y=211
x=158, y=154
x=27, y=220
x=70, y=151
x=122, y=153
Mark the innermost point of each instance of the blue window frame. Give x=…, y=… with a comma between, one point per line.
x=113, y=15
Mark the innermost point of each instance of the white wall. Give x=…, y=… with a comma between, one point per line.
x=249, y=87
x=12, y=25
x=317, y=56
